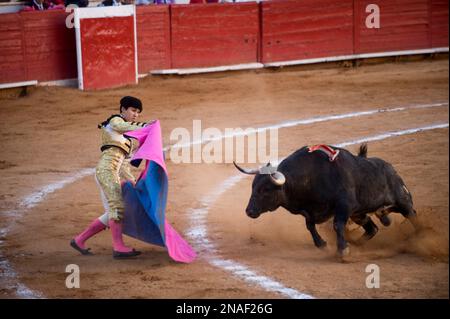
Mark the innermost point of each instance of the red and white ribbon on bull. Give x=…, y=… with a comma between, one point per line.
x=331, y=152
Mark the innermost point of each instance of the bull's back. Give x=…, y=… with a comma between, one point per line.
x=314, y=173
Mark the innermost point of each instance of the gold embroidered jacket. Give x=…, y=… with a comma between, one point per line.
x=112, y=134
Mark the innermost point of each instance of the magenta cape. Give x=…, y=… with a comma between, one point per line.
x=145, y=203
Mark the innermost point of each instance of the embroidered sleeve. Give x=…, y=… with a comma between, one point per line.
x=119, y=125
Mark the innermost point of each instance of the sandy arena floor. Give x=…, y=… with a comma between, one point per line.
x=52, y=133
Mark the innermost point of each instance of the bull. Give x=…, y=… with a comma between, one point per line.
x=318, y=188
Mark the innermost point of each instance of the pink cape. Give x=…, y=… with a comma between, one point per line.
x=153, y=181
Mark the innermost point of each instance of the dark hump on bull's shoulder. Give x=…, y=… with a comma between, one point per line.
x=293, y=158
x=299, y=152
x=304, y=156
x=298, y=158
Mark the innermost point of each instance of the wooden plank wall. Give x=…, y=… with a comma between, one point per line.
x=38, y=45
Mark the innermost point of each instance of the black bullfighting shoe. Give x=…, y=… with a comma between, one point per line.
x=74, y=245
x=123, y=255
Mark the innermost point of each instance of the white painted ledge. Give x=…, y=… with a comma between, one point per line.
x=18, y=84
x=245, y=66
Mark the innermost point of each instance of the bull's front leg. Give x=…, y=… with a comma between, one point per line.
x=339, y=222
x=318, y=241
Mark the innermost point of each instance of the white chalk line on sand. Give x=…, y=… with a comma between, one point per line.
x=37, y=197
x=199, y=234
x=307, y=121
x=30, y=201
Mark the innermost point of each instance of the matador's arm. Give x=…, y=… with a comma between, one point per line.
x=119, y=125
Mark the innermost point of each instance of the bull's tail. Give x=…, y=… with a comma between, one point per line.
x=363, y=150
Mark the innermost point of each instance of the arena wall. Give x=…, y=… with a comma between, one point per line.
x=39, y=46
x=153, y=37
x=404, y=25
x=36, y=46
x=294, y=30
x=214, y=34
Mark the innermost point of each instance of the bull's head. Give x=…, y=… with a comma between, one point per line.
x=267, y=189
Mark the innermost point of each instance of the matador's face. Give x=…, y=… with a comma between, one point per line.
x=130, y=114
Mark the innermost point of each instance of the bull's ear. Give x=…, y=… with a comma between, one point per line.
x=268, y=164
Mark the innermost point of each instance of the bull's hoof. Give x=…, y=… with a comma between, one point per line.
x=346, y=251
x=342, y=254
x=364, y=238
x=385, y=220
x=415, y=222
x=321, y=245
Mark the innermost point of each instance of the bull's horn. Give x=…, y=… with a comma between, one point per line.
x=278, y=178
x=246, y=171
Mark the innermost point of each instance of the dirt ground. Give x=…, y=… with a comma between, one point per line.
x=51, y=133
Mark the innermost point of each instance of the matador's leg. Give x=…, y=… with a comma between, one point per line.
x=96, y=226
x=107, y=174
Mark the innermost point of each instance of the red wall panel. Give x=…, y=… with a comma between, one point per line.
x=439, y=23
x=293, y=30
x=153, y=37
x=404, y=25
x=12, y=62
x=50, y=51
x=38, y=45
x=108, y=52
x=206, y=35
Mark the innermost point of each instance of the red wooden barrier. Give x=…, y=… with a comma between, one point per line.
x=36, y=46
x=12, y=62
x=106, y=44
x=294, y=30
x=404, y=25
x=50, y=52
x=439, y=23
x=153, y=37
x=206, y=35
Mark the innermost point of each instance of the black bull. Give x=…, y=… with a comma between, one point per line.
x=350, y=187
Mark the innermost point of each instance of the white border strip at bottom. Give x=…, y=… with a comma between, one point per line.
x=245, y=66
x=18, y=84
x=356, y=56
x=66, y=82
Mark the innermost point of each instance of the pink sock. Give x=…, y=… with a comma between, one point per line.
x=95, y=227
x=116, y=232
